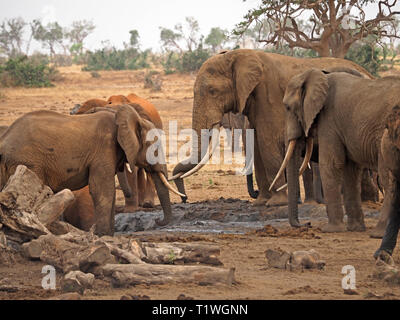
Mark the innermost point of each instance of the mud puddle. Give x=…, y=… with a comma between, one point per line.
x=225, y=216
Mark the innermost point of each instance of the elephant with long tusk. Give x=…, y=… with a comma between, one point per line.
x=252, y=83
x=347, y=113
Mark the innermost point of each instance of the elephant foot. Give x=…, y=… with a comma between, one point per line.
x=378, y=231
x=279, y=199
x=357, y=226
x=148, y=204
x=330, y=227
x=260, y=201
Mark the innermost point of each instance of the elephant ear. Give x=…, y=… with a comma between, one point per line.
x=393, y=125
x=315, y=90
x=247, y=72
x=129, y=129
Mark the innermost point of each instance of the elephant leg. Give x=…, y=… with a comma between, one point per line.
x=317, y=184
x=271, y=158
x=308, y=185
x=392, y=229
x=352, y=197
x=385, y=179
x=331, y=165
x=263, y=193
x=149, y=193
x=102, y=190
x=369, y=192
x=128, y=183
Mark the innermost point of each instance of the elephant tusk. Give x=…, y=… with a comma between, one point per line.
x=306, y=161
x=178, y=175
x=207, y=156
x=169, y=187
x=128, y=167
x=281, y=188
x=307, y=157
x=288, y=155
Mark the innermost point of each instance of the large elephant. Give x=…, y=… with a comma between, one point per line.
x=390, y=165
x=347, y=114
x=253, y=83
x=75, y=151
x=138, y=188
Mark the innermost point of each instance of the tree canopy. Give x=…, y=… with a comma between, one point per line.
x=328, y=27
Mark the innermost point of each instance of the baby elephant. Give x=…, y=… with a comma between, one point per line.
x=72, y=152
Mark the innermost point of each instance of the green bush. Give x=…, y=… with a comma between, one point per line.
x=113, y=59
x=188, y=61
x=27, y=72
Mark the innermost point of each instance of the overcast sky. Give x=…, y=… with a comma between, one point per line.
x=114, y=18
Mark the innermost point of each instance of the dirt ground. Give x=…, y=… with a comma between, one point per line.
x=245, y=252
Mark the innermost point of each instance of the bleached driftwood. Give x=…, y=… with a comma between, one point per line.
x=180, y=253
x=133, y=274
x=28, y=207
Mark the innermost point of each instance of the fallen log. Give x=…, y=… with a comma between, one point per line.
x=180, y=253
x=28, y=207
x=122, y=275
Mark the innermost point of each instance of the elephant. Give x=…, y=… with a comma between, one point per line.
x=250, y=82
x=138, y=188
x=346, y=113
x=390, y=165
x=75, y=151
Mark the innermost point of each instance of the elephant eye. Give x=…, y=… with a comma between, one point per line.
x=212, y=91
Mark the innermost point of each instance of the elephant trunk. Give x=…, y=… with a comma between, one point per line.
x=293, y=186
x=199, y=122
x=163, y=195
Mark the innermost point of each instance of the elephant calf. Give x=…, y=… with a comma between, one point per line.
x=72, y=152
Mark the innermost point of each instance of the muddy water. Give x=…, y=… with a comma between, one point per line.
x=219, y=216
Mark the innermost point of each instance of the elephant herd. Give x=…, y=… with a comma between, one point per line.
x=328, y=110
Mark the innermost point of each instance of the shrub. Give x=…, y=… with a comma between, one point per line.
x=188, y=61
x=27, y=72
x=153, y=81
x=113, y=59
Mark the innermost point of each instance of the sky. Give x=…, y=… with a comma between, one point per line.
x=114, y=18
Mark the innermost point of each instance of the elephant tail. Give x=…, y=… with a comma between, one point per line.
x=250, y=187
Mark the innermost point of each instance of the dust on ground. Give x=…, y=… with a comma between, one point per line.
x=210, y=190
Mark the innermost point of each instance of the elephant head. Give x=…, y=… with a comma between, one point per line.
x=224, y=84
x=118, y=99
x=133, y=126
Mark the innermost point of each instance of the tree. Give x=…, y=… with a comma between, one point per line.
x=189, y=33
x=134, y=39
x=79, y=31
x=50, y=35
x=11, y=36
x=216, y=39
x=330, y=28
